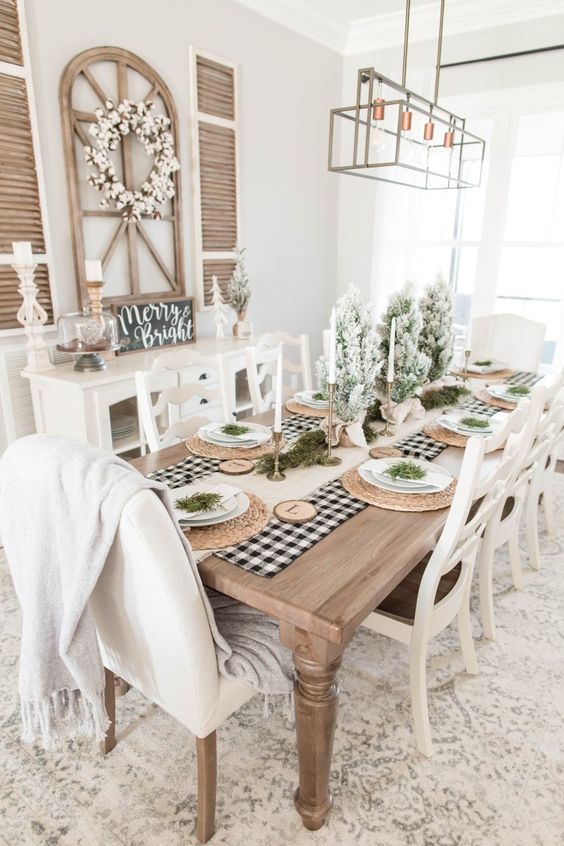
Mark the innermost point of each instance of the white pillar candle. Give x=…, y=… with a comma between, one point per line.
x=278, y=395
x=392, y=350
x=22, y=252
x=93, y=269
x=332, y=346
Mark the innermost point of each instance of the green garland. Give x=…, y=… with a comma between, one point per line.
x=372, y=414
x=309, y=449
x=449, y=395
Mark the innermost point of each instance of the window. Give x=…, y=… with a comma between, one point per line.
x=214, y=139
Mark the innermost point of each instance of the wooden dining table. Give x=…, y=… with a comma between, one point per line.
x=319, y=601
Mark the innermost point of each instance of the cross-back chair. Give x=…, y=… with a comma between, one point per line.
x=182, y=391
x=299, y=371
x=261, y=364
x=515, y=340
x=154, y=633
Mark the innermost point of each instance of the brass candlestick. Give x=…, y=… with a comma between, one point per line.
x=332, y=460
x=276, y=475
x=466, y=357
x=387, y=428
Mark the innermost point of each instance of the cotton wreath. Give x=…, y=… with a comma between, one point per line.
x=115, y=122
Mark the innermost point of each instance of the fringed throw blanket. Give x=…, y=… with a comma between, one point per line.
x=60, y=507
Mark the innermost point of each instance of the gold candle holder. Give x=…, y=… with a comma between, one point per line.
x=332, y=460
x=466, y=357
x=276, y=475
x=387, y=430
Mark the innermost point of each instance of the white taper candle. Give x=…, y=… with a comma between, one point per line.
x=278, y=395
x=392, y=350
x=468, y=340
x=332, y=346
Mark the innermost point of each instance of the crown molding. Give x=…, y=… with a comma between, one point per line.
x=310, y=19
x=461, y=16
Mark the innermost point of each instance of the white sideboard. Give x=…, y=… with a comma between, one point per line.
x=79, y=405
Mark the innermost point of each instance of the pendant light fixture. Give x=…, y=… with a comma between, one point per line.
x=395, y=135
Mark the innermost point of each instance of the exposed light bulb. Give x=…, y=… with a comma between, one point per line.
x=377, y=138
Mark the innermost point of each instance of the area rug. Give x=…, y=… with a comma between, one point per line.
x=496, y=779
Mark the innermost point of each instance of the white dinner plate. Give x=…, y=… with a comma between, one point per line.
x=437, y=478
x=306, y=398
x=450, y=421
x=228, y=503
x=500, y=392
x=242, y=504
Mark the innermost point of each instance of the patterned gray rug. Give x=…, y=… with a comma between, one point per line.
x=497, y=776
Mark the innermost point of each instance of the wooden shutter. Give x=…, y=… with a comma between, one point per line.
x=22, y=208
x=214, y=122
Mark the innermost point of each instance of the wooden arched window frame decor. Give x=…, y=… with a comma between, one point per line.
x=141, y=259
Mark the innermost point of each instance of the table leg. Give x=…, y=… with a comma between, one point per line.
x=316, y=699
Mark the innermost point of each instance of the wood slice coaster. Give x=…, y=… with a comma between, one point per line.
x=353, y=482
x=295, y=511
x=483, y=396
x=444, y=436
x=231, y=532
x=497, y=376
x=236, y=466
x=196, y=446
x=384, y=452
x=297, y=408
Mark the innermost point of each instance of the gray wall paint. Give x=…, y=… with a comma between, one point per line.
x=286, y=86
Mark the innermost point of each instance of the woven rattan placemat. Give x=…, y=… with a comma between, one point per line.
x=297, y=408
x=233, y=531
x=197, y=446
x=353, y=482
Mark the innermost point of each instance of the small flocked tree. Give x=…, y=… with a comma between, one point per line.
x=239, y=289
x=357, y=359
x=219, y=308
x=411, y=366
x=437, y=335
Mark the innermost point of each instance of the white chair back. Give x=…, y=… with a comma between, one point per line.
x=515, y=340
x=190, y=390
x=261, y=375
x=299, y=371
x=150, y=618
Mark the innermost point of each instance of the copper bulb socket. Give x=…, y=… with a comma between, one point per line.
x=378, y=109
x=449, y=139
x=429, y=131
x=406, y=121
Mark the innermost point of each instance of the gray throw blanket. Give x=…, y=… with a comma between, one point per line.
x=60, y=506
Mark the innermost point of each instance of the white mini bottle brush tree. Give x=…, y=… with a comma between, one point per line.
x=239, y=290
x=219, y=309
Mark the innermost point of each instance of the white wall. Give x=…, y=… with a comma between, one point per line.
x=371, y=213
x=287, y=85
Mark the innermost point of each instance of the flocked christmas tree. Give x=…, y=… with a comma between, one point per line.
x=411, y=365
x=357, y=359
x=437, y=335
x=219, y=309
x=239, y=289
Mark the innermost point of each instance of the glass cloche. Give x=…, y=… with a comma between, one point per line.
x=87, y=334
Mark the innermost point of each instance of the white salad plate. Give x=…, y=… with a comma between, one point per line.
x=494, y=367
x=501, y=392
x=307, y=398
x=225, y=511
x=452, y=422
x=212, y=434
x=374, y=472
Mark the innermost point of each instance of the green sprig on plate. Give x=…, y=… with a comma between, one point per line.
x=202, y=501
x=486, y=362
x=408, y=470
x=319, y=397
x=234, y=429
x=519, y=391
x=474, y=423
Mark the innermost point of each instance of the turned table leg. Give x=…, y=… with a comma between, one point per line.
x=316, y=699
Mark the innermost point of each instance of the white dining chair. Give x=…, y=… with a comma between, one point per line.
x=261, y=365
x=181, y=392
x=545, y=454
x=297, y=374
x=503, y=526
x=438, y=589
x=154, y=633
x=510, y=338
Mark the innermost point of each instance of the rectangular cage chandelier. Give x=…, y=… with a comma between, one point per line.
x=394, y=135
